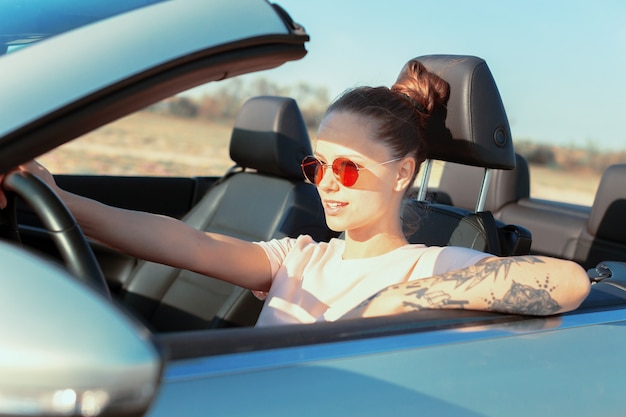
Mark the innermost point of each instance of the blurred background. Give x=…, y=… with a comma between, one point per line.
x=559, y=66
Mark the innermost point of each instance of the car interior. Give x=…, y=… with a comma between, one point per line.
x=482, y=202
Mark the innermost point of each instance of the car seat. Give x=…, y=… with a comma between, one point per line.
x=477, y=134
x=265, y=197
x=506, y=186
x=604, y=237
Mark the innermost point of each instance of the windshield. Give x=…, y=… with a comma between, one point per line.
x=25, y=22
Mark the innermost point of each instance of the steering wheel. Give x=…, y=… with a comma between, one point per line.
x=58, y=221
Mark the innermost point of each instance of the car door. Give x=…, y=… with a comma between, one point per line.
x=459, y=363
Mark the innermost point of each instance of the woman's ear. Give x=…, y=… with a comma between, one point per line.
x=406, y=168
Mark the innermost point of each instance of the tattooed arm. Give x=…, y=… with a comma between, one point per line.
x=521, y=285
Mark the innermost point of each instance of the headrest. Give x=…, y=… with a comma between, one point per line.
x=478, y=131
x=607, y=213
x=270, y=136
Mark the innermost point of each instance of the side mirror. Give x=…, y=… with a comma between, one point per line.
x=66, y=350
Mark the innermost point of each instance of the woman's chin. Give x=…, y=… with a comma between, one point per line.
x=335, y=225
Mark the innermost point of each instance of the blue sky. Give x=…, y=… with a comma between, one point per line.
x=560, y=65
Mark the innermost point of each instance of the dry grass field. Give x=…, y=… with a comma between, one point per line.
x=147, y=144
x=577, y=186
x=154, y=144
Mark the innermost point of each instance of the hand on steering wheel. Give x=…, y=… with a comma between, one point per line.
x=57, y=219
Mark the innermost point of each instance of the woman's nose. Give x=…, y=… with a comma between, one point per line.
x=329, y=181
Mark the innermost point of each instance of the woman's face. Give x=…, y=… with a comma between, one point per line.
x=371, y=205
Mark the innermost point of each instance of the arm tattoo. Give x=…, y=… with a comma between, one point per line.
x=487, y=269
x=524, y=299
x=433, y=299
x=519, y=299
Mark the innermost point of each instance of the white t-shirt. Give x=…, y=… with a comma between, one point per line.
x=311, y=281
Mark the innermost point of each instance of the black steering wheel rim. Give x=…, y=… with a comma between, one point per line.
x=60, y=224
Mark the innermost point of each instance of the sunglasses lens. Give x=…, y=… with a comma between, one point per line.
x=312, y=170
x=346, y=170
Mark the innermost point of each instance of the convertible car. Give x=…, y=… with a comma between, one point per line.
x=89, y=331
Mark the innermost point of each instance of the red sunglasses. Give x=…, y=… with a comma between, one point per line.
x=345, y=170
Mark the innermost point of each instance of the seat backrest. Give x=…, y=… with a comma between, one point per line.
x=443, y=225
x=477, y=134
x=268, y=198
x=604, y=237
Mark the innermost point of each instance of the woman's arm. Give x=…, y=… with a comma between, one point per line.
x=165, y=240
x=532, y=285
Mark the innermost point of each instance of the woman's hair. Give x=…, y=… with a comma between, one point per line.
x=403, y=111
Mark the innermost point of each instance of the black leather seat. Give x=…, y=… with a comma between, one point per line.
x=604, y=237
x=265, y=198
x=477, y=134
x=507, y=186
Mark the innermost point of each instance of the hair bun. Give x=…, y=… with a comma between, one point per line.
x=418, y=106
x=423, y=89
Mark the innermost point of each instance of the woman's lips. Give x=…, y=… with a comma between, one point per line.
x=333, y=207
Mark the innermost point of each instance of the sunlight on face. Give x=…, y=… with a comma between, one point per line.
x=371, y=205
x=349, y=135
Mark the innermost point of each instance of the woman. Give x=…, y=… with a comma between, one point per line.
x=368, y=151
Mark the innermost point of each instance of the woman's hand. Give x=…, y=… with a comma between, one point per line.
x=34, y=168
